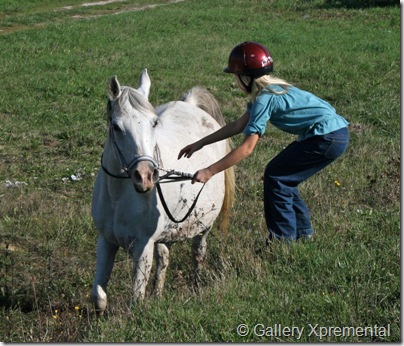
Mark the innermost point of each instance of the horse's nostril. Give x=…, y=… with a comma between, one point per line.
x=137, y=178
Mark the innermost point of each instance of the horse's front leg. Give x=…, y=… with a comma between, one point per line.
x=161, y=255
x=105, y=261
x=143, y=261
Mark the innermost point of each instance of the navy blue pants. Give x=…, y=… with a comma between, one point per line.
x=286, y=215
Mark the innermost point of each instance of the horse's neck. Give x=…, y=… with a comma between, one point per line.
x=110, y=159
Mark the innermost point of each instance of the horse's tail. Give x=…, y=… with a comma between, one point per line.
x=203, y=99
x=230, y=188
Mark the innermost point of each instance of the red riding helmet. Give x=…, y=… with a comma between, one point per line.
x=250, y=59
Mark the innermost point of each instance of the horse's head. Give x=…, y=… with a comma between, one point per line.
x=132, y=120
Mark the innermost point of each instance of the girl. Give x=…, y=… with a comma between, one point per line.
x=322, y=137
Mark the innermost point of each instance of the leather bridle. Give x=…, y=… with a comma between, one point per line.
x=170, y=176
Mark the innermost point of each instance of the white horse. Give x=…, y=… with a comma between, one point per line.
x=142, y=143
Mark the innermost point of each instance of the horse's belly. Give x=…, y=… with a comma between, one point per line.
x=174, y=232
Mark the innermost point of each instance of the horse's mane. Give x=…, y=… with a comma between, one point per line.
x=136, y=100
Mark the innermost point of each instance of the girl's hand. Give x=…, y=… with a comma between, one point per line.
x=189, y=150
x=202, y=176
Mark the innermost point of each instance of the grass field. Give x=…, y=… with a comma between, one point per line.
x=55, y=63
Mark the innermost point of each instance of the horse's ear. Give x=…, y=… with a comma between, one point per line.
x=114, y=88
x=144, y=83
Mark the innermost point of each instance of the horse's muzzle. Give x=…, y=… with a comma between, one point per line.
x=144, y=176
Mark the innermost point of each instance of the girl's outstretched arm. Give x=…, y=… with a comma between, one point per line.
x=226, y=131
x=235, y=156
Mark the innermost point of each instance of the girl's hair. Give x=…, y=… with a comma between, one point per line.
x=264, y=82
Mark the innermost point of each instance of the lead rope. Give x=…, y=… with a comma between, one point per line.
x=171, y=217
x=179, y=176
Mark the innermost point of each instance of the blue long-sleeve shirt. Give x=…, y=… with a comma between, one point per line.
x=297, y=112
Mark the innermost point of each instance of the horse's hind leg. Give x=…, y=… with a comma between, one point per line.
x=105, y=261
x=161, y=254
x=199, y=247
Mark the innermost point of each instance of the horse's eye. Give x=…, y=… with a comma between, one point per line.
x=116, y=128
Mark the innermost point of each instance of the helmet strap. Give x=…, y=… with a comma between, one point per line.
x=248, y=87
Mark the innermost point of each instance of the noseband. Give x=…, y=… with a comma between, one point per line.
x=128, y=168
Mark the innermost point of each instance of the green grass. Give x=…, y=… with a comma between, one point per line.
x=21, y=15
x=54, y=70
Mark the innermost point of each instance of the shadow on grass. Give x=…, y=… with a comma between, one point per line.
x=359, y=4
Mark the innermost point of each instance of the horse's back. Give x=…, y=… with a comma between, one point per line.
x=186, y=124
x=183, y=124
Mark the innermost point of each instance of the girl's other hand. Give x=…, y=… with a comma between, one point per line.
x=189, y=150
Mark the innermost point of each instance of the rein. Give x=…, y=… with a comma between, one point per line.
x=170, y=176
